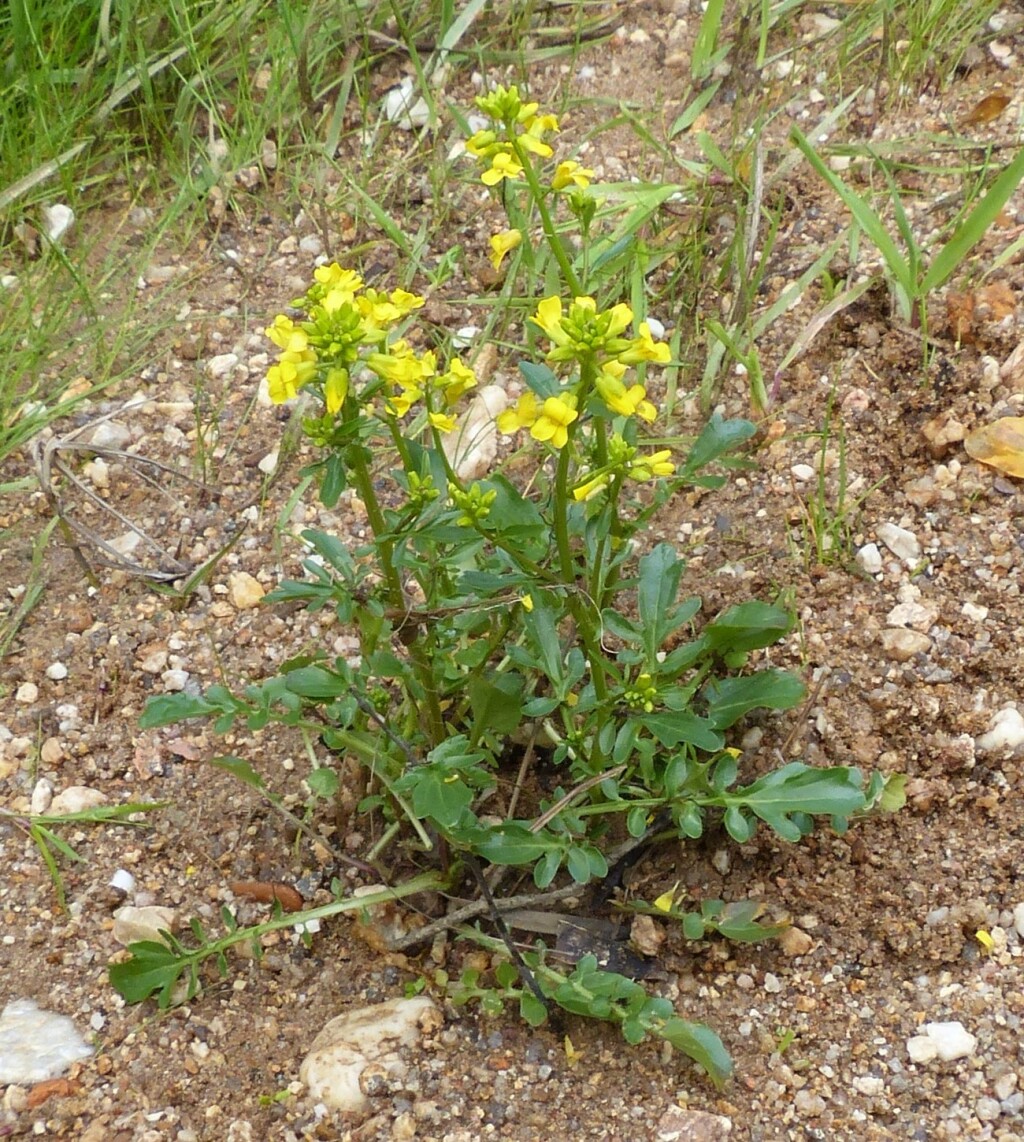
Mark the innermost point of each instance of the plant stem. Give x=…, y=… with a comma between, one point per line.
x=538, y=194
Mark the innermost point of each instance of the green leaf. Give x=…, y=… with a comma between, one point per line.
x=241, y=770
x=166, y=709
x=799, y=788
x=693, y=926
x=512, y=843
x=317, y=683
x=657, y=591
x=531, y=1009
x=702, y=1045
x=323, y=781
x=718, y=437
x=540, y=379
x=729, y=699
x=747, y=626
x=153, y=967
x=738, y=921
x=333, y=481
x=496, y=705
x=673, y=727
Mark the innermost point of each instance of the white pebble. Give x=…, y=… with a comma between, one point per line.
x=952, y=1040
x=26, y=693
x=269, y=462
x=922, y=1049
x=1005, y=733
x=42, y=798
x=175, y=679
x=123, y=881
x=974, y=612
x=77, y=799
x=870, y=1085
x=56, y=672
x=902, y=543
x=772, y=983
x=802, y=472
x=221, y=366
x=1018, y=919
x=36, y=1045
x=656, y=328
x=311, y=244
x=58, y=220
x=869, y=559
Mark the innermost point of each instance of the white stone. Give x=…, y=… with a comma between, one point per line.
x=902, y=543
x=77, y=799
x=655, y=327
x=350, y=1042
x=902, y=645
x=109, y=434
x=132, y=925
x=246, y=590
x=403, y=108
x=917, y=616
x=922, y=1049
x=952, y=1040
x=473, y=446
x=125, y=543
x=56, y=672
x=57, y=221
x=870, y=1085
x=37, y=1045
x=98, y=473
x=1018, y=919
x=802, y=472
x=223, y=365
x=42, y=798
x=26, y=693
x=974, y=612
x=269, y=462
x=123, y=881
x=175, y=680
x=311, y=244
x=869, y=559
x=1005, y=733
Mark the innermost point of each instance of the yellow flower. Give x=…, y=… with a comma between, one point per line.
x=456, y=382
x=522, y=415
x=549, y=319
x=626, y=402
x=502, y=244
x=552, y=426
x=482, y=144
x=570, y=172
x=503, y=165
x=645, y=348
x=441, y=421
x=656, y=464
x=334, y=277
x=286, y=335
x=289, y=375
x=399, y=403
x=383, y=311
x=532, y=138
x=590, y=488
x=335, y=390
x=527, y=601
x=401, y=365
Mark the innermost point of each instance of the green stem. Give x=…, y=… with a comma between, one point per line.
x=430, y=717
x=538, y=194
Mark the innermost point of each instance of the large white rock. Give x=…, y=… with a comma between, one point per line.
x=473, y=446
x=37, y=1045
x=945, y=1041
x=1005, y=733
x=350, y=1042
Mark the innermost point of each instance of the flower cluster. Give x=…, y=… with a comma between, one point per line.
x=521, y=129
x=348, y=323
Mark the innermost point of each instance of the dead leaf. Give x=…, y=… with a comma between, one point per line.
x=1000, y=445
x=266, y=892
x=987, y=109
x=960, y=315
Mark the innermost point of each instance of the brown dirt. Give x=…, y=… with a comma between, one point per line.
x=891, y=909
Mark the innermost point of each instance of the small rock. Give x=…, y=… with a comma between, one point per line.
x=795, y=942
x=942, y=431
x=154, y=659
x=42, y=798
x=809, y=1103
x=109, y=434
x=175, y=680
x=948, y=1041
x=350, y=1042
x=922, y=1049
x=917, y=616
x=403, y=108
x=98, y=473
x=646, y=935
x=57, y=221
x=772, y=983
x=77, y=799
x=869, y=559
x=902, y=543
x=1005, y=733
x=974, y=612
x=311, y=244
x=679, y=1125
x=36, y=1045
x=223, y=365
x=471, y=449
x=902, y=645
x=1018, y=919
x=132, y=925
x=268, y=464
x=52, y=752
x=802, y=472
x=246, y=590
x=56, y=672
x=987, y=1109
x=870, y=1085
x=26, y=693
